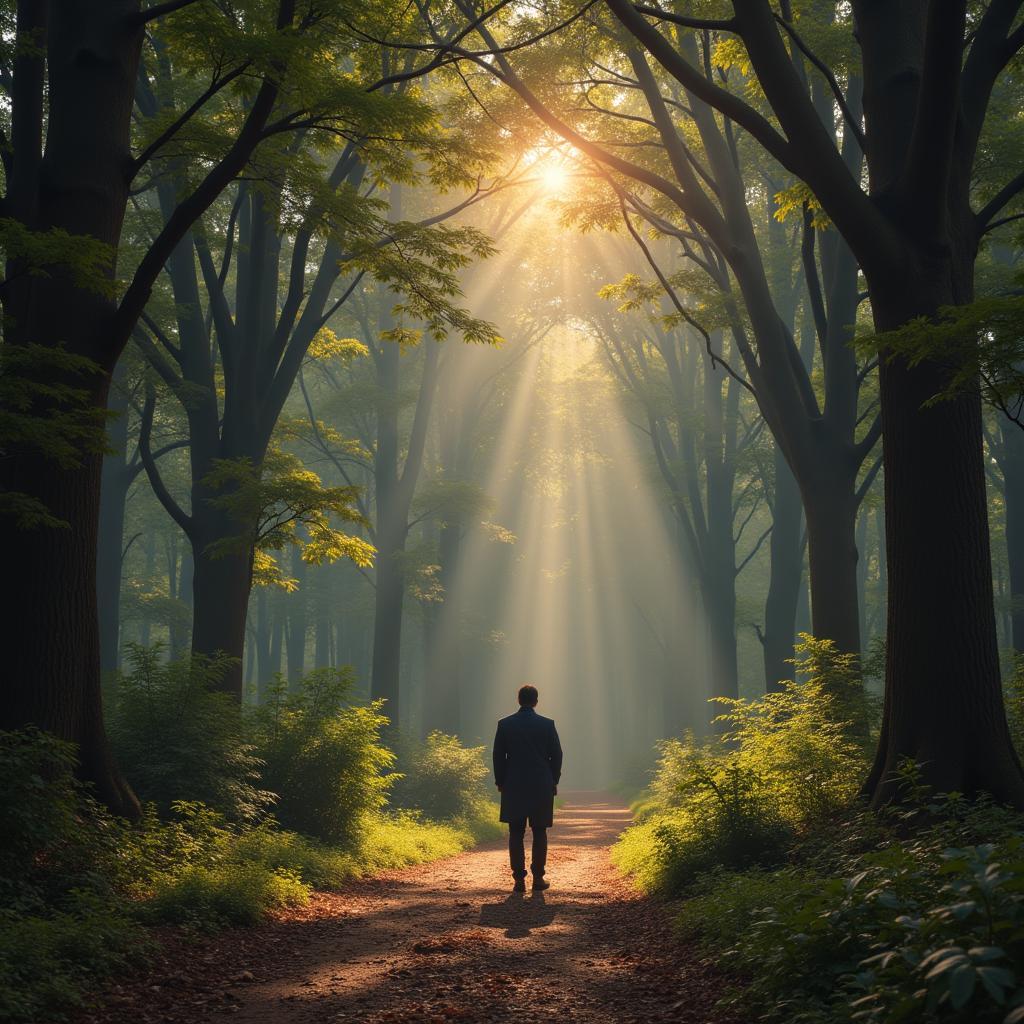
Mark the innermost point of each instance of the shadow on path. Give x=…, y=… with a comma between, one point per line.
x=448, y=941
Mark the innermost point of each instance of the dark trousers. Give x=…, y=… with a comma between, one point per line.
x=517, y=848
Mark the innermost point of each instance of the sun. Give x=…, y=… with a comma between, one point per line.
x=553, y=177
x=550, y=169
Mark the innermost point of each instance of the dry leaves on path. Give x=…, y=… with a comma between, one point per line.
x=444, y=942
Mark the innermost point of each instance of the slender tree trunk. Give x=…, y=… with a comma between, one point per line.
x=261, y=642
x=113, y=496
x=387, y=623
x=1012, y=465
x=297, y=622
x=862, y=578
x=276, y=638
x=442, y=706
x=787, y=566
x=720, y=604
x=149, y=569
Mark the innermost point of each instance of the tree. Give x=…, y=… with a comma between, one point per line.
x=693, y=182
x=928, y=75
x=289, y=217
x=68, y=169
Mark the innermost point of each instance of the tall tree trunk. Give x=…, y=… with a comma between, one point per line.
x=149, y=570
x=389, y=599
x=113, y=497
x=862, y=577
x=787, y=567
x=1011, y=463
x=221, y=583
x=442, y=700
x=298, y=623
x=832, y=559
x=720, y=605
x=943, y=699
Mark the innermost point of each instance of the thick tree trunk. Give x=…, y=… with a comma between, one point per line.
x=943, y=700
x=52, y=652
x=720, y=605
x=221, y=584
x=787, y=566
x=832, y=557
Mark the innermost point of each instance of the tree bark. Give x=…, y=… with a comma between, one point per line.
x=110, y=544
x=943, y=699
x=787, y=568
x=1011, y=462
x=51, y=634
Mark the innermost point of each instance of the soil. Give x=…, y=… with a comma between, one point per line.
x=446, y=941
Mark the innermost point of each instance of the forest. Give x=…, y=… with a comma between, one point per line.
x=362, y=361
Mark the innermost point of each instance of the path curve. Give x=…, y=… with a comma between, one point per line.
x=448, y=941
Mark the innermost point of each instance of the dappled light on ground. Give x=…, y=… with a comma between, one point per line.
x=446, y=941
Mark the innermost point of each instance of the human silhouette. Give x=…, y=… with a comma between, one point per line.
x=527, y=767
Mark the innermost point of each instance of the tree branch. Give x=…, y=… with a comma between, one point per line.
x=1011, y=189
x=157, y=11
x=829, y=77
x=174, y=510
x=707, y=24
x=179, y=122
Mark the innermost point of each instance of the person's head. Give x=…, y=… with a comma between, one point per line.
x=528, y=696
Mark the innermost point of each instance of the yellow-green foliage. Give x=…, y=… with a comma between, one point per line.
x=233, y=892
x=76, y=882
x=445, y=781
x=781, y=763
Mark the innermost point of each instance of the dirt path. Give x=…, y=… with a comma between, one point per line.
x=448, y=942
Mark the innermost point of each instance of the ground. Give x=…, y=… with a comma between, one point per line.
x=446, y=941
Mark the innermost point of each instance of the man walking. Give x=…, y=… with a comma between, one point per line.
x=527, y=767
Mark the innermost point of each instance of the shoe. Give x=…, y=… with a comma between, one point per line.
x=539, y=885
x=520, y=885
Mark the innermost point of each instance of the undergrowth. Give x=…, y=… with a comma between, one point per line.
x=820, y=911
x=290, y=799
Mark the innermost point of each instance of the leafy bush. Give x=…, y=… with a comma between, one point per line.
x=442, y=778
x=783, y=764
x=60, y=925
x=177, y=738
x=323, y=757
x=875, y=926
x=44, y=849
x=48, y=960
x=75, y=882
x=230, y=893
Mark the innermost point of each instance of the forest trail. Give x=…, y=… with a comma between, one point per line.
x=447, y=941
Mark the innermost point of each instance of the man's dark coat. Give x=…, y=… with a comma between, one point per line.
x=527, y=767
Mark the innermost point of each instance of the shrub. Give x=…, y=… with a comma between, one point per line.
x=323, y=757
x=60, y=924
x=441, y=778
x=48, y=961
x=784, y=765
x=176, y=738
x=41, y=804
x=230, y=893
x=876, y=926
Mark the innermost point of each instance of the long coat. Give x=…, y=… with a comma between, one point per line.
x=527, y=767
